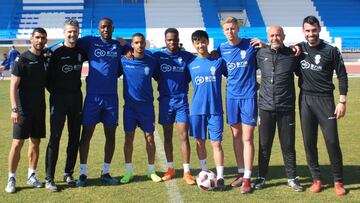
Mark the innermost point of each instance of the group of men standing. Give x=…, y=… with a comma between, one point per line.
x=59, y=70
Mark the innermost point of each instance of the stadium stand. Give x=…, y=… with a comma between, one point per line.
x=128, y=16
x=152, y=17
x=342, y=19
x=185, y=15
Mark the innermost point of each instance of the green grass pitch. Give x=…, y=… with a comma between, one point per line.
x=143, y=190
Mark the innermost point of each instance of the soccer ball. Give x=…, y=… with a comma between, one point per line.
x=206, y=180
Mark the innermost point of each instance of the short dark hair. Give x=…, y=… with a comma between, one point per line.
x=199, y=34
x=39, y=30
x=311, y=20
x=107, y=19
x=138, y=34
x=172, y=30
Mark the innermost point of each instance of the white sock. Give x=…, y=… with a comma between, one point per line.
x=12, y=175
x=186, y=168
x=128, y=167
x=241, y=170
x=151, y=168
x=31, y=171
x=247, y=174
x=83, y=169
x=170, y=164
x=203, y=165
x=220, y=172
x=106, y=168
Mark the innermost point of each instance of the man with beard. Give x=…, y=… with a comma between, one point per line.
x=27, y=97
x=319, y=60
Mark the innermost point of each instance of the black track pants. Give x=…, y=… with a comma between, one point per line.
x=286, y=128
x=314, y=111
x=62, y=106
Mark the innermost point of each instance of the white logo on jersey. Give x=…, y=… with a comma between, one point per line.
x=317, y=58
x=69, y=68
x=306, y=65
x=226, y=52
x=212, y=70
x=195, y=67
x=65, y=57
x=180, y=60
x=79, y=57
x=239, y=64
x=146, y=70
x=243, y=54
x=168, y=68
x=99, y=53
x=199, y=80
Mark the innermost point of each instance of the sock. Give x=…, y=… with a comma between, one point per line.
x=128, y=167
x=12, y=175
x=186, y=168
x=291, y=179
x=241, y=170
x=30, y=172
x=151, y=168
x=247, y=174
x=220, y=172
x=106, y=168
x=170, y=164
x=203, y=165
x=83, y=169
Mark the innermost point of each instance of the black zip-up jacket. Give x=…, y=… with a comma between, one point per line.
x=277, y=90
x=317, y=69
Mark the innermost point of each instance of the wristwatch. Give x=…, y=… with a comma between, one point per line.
x=15, y=110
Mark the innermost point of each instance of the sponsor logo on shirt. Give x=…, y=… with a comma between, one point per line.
x=101, y=53
x=204, y=79
x=69, y=68
x=238, y=64
x=306, y=65
x=168, y=68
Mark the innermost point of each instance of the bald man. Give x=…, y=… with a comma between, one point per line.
x=277, y=105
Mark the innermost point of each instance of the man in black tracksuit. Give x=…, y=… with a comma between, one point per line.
x=277, y=105
x=316, y=102
x=64, y=85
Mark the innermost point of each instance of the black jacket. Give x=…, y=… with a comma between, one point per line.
x=277, y=91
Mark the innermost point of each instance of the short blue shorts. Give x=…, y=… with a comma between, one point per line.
x=200, y=124
x=241, y=110
x=142, y=115
x=173, y=109
x=101, y=108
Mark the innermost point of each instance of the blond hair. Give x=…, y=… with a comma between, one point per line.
x=229, y=19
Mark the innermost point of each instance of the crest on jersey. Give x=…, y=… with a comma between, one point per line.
x=243, y=54
x=79, y=57
x=113, y=47
x=146, y=70
x=212, y=70
x=180, y=60
x=317, y=58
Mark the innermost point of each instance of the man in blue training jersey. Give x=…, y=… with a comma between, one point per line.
x=240, y=56
x=206, y=111
x=173, y=101
x=5, y=65
x=139, y=111
x=13, y=53
x=101, y=101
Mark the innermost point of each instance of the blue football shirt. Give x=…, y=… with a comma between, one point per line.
x=173, y=76
x=241, y=65
x=104, y=64
x=137, y=79
x=206, y=75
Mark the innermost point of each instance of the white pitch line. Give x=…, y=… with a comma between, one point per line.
x=172, y=188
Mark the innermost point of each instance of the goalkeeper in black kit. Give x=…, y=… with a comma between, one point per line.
x=316, y=102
